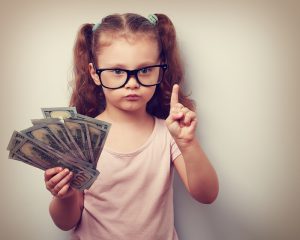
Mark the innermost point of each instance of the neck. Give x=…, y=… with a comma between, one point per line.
x=124, y=117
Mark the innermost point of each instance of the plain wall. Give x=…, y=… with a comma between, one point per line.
x=242, y=69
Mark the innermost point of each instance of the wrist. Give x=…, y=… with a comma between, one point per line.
x=67, y=197
x=187, y=145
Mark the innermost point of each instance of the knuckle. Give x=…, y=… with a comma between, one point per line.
x=51, y=183
x=61, y=193
x=46, y=174
x=57, y=188
x=48, y=186
x=69, y=177
x=185, y=109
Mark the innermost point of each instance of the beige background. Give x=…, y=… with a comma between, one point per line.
x=242, y=66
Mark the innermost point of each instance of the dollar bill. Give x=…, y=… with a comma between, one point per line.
x=97, y=138
x=80, y=134
x=101, y=133
x=27, y=161
x=43, y=134
x=105, y=126
x=63, y=138
x=47, y=157
x=63, y=134
x=32, y=156
x=15, y=140
x=59, y=112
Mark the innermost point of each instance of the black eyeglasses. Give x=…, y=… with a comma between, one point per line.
x=114, y=78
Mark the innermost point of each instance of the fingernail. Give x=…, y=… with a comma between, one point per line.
x=66, y=170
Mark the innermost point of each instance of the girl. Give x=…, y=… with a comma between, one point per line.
x=128, y=72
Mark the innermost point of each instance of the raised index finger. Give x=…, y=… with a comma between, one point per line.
x=174, y=95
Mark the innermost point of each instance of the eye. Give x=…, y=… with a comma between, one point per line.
x=117, y=71
x=145, y=70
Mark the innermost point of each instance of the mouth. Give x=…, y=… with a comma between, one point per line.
x=132, y=97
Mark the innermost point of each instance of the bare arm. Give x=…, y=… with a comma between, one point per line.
x=197, y=174
x=66, y=212
x=67, y=203
x=193, y=166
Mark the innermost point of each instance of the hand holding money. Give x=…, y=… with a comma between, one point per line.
x=63, y=139
x=57, y=181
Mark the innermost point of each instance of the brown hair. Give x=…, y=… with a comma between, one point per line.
x=88, y=98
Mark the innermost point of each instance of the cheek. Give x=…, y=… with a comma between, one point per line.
x=113, y=96
x=153, y=90
x=109, y=94
x=149, y=93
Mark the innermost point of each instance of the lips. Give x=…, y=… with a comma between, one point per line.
x=132, y=97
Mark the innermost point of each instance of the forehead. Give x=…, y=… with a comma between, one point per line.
x=128, y=51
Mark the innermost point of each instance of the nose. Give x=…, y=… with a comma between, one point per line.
x=132, y=82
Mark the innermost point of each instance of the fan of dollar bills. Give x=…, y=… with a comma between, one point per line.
x=63, y=138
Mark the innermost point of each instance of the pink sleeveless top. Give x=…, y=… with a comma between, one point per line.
x=132, y=198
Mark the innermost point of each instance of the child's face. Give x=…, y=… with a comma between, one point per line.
x=132, y=53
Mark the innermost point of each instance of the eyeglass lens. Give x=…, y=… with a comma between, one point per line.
x=115, y=78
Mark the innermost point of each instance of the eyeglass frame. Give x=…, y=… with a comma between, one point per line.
x=130, y=73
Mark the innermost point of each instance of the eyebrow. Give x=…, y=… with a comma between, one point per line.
x=122, y=66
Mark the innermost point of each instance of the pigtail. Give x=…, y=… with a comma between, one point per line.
x=86, y=95
x=170, y=55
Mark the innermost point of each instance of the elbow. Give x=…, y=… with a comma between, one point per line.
x=62, y=223
x=65, y=227
x=206, y=199
x=206, y=195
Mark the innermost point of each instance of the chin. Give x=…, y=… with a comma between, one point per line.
x=133, y=108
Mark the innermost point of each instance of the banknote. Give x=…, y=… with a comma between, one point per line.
x=63, y=134
x=62, y=138
x=97, y=138
x=44, y=134
x=45, y=157
x=80, y=134
x=15, y=141
x=104, y=125
x=94, y=141
x=98, y=132
x=59, y=112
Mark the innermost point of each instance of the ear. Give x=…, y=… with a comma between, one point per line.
x=94, y=75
